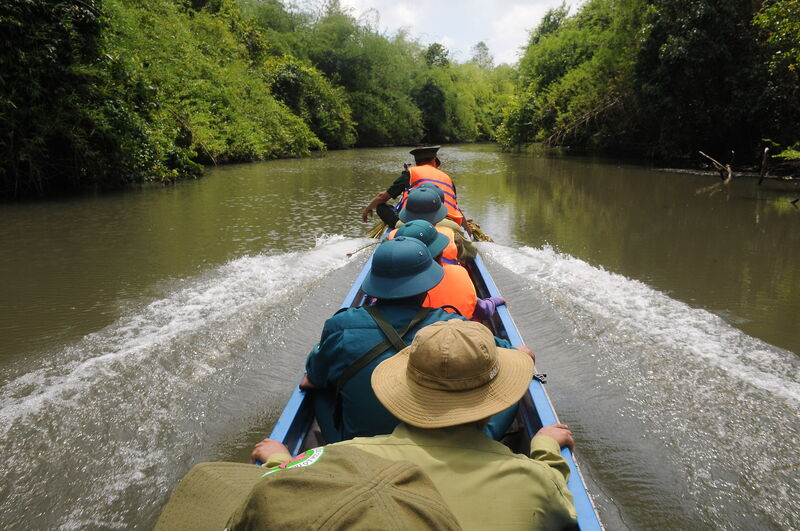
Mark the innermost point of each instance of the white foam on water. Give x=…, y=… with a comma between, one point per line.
x=95, y=437
x=723, y=405
x=232, y=289
x=634, y=312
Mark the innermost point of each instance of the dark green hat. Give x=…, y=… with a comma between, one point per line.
x=425, y=153
x=426, y=233
x=435, y=188
x=333, y=487
x=401, y=268
x=426, y=203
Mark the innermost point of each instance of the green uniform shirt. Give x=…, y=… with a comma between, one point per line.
x=485, y=484
x=400, y=184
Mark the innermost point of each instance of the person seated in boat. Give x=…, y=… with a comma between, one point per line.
x=426, y=170
x=355, y=340
x=444, y=388
x=425, y=202
x=335, y=488
x=455, y=292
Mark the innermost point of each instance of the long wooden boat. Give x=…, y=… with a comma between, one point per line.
x=296, y=425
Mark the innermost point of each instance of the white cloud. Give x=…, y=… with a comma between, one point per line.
x=510, y=30
x=459, y=25
x=446, y=41
x=398, y=15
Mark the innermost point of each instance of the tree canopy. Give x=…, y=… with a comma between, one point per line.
x=659, y=77
x=100, y=93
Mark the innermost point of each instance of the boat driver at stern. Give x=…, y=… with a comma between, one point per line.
x=426, y=171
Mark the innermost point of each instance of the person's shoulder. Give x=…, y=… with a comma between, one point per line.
x=405, y=175
x=346, y=318
x=449, y=224
x=365, y=442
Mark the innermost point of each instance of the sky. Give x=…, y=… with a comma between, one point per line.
x=459, y=25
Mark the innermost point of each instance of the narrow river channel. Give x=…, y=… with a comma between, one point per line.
x=146, y=331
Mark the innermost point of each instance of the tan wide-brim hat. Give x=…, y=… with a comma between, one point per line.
x=452, y=373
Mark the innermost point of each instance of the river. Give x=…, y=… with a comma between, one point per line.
x=148, y=330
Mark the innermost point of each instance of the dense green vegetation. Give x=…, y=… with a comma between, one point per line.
x=400, y=91
x=106, y=92
x=661, y=78
x=100, y=93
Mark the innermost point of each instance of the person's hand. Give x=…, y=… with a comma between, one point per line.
x=306, y=384
x=559, y=432
x=366, y=213
x=527, y=350
x=264, y=449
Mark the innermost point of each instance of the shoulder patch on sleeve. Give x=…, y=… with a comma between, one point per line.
x=307, y=458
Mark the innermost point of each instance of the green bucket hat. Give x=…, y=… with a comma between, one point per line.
x=426, y=233
x=435, y=188
x=332, y=488
x=401, y=267
x=424, y=203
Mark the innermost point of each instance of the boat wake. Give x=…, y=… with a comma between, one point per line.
x=98, y=435
x=722, y=405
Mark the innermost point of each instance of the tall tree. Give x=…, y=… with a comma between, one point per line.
x=779, y=22
x=481, y=56
x=437, y=55
x=699, y=76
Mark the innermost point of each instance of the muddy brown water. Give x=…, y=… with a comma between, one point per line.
x=148, y=330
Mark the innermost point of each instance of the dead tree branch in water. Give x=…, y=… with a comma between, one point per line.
x=725, y=173
x=474, y=230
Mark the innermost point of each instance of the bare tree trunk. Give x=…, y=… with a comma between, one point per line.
x=764, y=166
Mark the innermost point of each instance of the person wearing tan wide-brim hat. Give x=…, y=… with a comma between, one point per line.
x=443, y=388
x=451, y=374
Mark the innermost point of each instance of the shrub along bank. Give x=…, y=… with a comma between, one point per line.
x=108, y=92
x=101, y=93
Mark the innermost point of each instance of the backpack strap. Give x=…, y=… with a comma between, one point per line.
x=455, y=310
x=386, y=327
x=374, y=352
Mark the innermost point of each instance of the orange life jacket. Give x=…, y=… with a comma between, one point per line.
x=455, y=289
x=428, y=174
x=450, y=253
